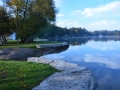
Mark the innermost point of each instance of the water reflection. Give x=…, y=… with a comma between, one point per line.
x=102, y=60
x=84, y=40
x=100, y=55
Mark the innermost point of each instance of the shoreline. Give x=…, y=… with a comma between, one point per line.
x=70, y=77
x=21, y=54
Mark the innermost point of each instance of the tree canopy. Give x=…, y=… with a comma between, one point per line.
x=31, y=16
x=6, y=25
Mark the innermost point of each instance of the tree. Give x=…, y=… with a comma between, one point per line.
x=6, y=25
x=31, y=16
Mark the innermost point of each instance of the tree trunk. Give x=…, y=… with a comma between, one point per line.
x=26, y=40
x=3, y=39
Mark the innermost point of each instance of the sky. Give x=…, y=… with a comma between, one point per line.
x=0, y=2
x=90, y=14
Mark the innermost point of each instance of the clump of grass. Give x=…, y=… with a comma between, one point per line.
x=16, y=75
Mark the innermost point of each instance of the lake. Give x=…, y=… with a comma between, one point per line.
x=99, y=54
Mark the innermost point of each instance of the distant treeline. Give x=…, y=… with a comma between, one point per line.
x=84, y=40
x=55, y=31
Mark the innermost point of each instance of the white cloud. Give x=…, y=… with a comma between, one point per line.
x=77, y=12
x=103, y=24
x=68, y=23
x=112, y=7
x=60, y=15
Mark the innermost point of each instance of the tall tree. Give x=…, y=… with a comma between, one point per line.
x=6, y=25
x=31, y=15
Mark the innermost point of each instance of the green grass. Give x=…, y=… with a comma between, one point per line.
x=13, y=44
x=17, y=75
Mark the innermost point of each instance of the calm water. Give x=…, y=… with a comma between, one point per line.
x=100, y=55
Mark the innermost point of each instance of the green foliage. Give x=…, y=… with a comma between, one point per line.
x=31, y=16
x=106, y=33
x=53, y=31
x=6, y=25
x=16, y=75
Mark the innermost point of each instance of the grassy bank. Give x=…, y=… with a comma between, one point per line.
x=13, y=44
x=16, y=75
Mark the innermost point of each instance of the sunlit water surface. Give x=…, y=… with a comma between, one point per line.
x=101, y=57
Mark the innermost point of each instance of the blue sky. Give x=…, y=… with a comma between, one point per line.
x=0, y=2
x=89, y=14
